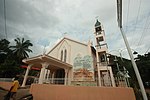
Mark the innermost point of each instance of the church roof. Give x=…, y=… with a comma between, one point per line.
x=37, y=60
x=65, y=38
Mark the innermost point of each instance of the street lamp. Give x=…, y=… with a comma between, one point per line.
x=119, y=18
x=126, y=75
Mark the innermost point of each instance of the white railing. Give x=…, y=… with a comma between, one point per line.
x=52, y=80
x=5, y=79
x=119, y=81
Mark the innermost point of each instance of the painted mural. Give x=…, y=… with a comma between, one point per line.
x=83, y=68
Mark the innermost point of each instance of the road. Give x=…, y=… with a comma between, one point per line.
x=20, y=93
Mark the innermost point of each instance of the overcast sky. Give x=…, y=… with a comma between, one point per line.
x=44, y=22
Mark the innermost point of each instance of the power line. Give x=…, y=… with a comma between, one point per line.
x=138, y=14
x=5, y=19
x=147, y=50
x=139, y=8
x=144, y=30
x=127, y=15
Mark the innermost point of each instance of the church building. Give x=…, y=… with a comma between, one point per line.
x=71, y=62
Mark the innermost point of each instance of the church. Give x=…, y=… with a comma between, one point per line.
x=71, y=62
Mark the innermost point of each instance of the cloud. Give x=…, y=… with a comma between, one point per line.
x=45, y=22
x=27, y=14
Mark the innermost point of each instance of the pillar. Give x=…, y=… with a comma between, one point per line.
x=45, y=74
x=69, y=77
x=26, y=75
x=42, y=73
x=66, y=76
x=48, y=75
x=99, y=77
x=112, y=77
x=53, y=76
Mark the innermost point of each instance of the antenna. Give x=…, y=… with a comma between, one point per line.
x=64, y=34
x=96, y=17
x=44, y=50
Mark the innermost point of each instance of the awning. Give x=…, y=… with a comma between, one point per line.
x=53, y=62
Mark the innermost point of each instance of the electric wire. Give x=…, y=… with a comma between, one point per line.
x=147, y=50
x=137, y=17
x=144, y=31
x=127, y=15
x=5, y=19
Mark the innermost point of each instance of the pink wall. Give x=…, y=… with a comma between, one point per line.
x=61, y=92
x=6, y=85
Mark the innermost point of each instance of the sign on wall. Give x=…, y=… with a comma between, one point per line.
x=83, y=68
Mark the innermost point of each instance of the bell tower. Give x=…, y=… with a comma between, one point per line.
x=101, y=45
x=105, y=75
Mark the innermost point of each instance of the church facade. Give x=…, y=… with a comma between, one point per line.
x=71, y=62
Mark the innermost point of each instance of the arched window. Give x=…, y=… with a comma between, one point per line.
x=61, y=55
x=65, y=55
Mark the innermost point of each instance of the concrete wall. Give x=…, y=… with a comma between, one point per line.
x=59, y=92
x=6, y=85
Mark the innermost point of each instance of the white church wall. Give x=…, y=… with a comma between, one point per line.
x=73, y=49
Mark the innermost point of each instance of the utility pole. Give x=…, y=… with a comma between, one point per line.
x=119, y=13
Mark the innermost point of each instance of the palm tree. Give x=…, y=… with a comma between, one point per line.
x=4, y=49
x=21, y=49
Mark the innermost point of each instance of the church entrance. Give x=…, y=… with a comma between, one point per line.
x=60, y=76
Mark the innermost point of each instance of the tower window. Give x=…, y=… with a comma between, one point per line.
x=61, y=55
x=103, y=58
x=65, y=55
x=98, y=29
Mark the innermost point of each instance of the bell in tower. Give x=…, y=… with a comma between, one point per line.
x=98, y=28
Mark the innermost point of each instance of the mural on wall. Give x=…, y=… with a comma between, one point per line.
x=83, y=68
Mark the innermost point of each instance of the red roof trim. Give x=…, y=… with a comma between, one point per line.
x=33, y=68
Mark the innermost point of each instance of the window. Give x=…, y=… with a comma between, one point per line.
x=65, y=55
x=98, y=30
x=61, y=55
x=103, y=58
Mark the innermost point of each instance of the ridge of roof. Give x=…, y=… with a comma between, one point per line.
x=66, y=39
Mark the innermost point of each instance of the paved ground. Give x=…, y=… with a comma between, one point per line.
x=20, y=93
x=2, y=93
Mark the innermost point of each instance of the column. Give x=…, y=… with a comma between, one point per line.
x=66, y=76
x=53, y=76
x=99, y=77
x=112, y=77
x=45, y=74
x=26, y=75
x=42, y=73
x=48, y=75
x=69, y=77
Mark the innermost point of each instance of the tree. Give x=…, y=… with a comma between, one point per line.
x=11, y=57
x=4, y=50
x=8, y=65
x=143, y=63
x=21, y=49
